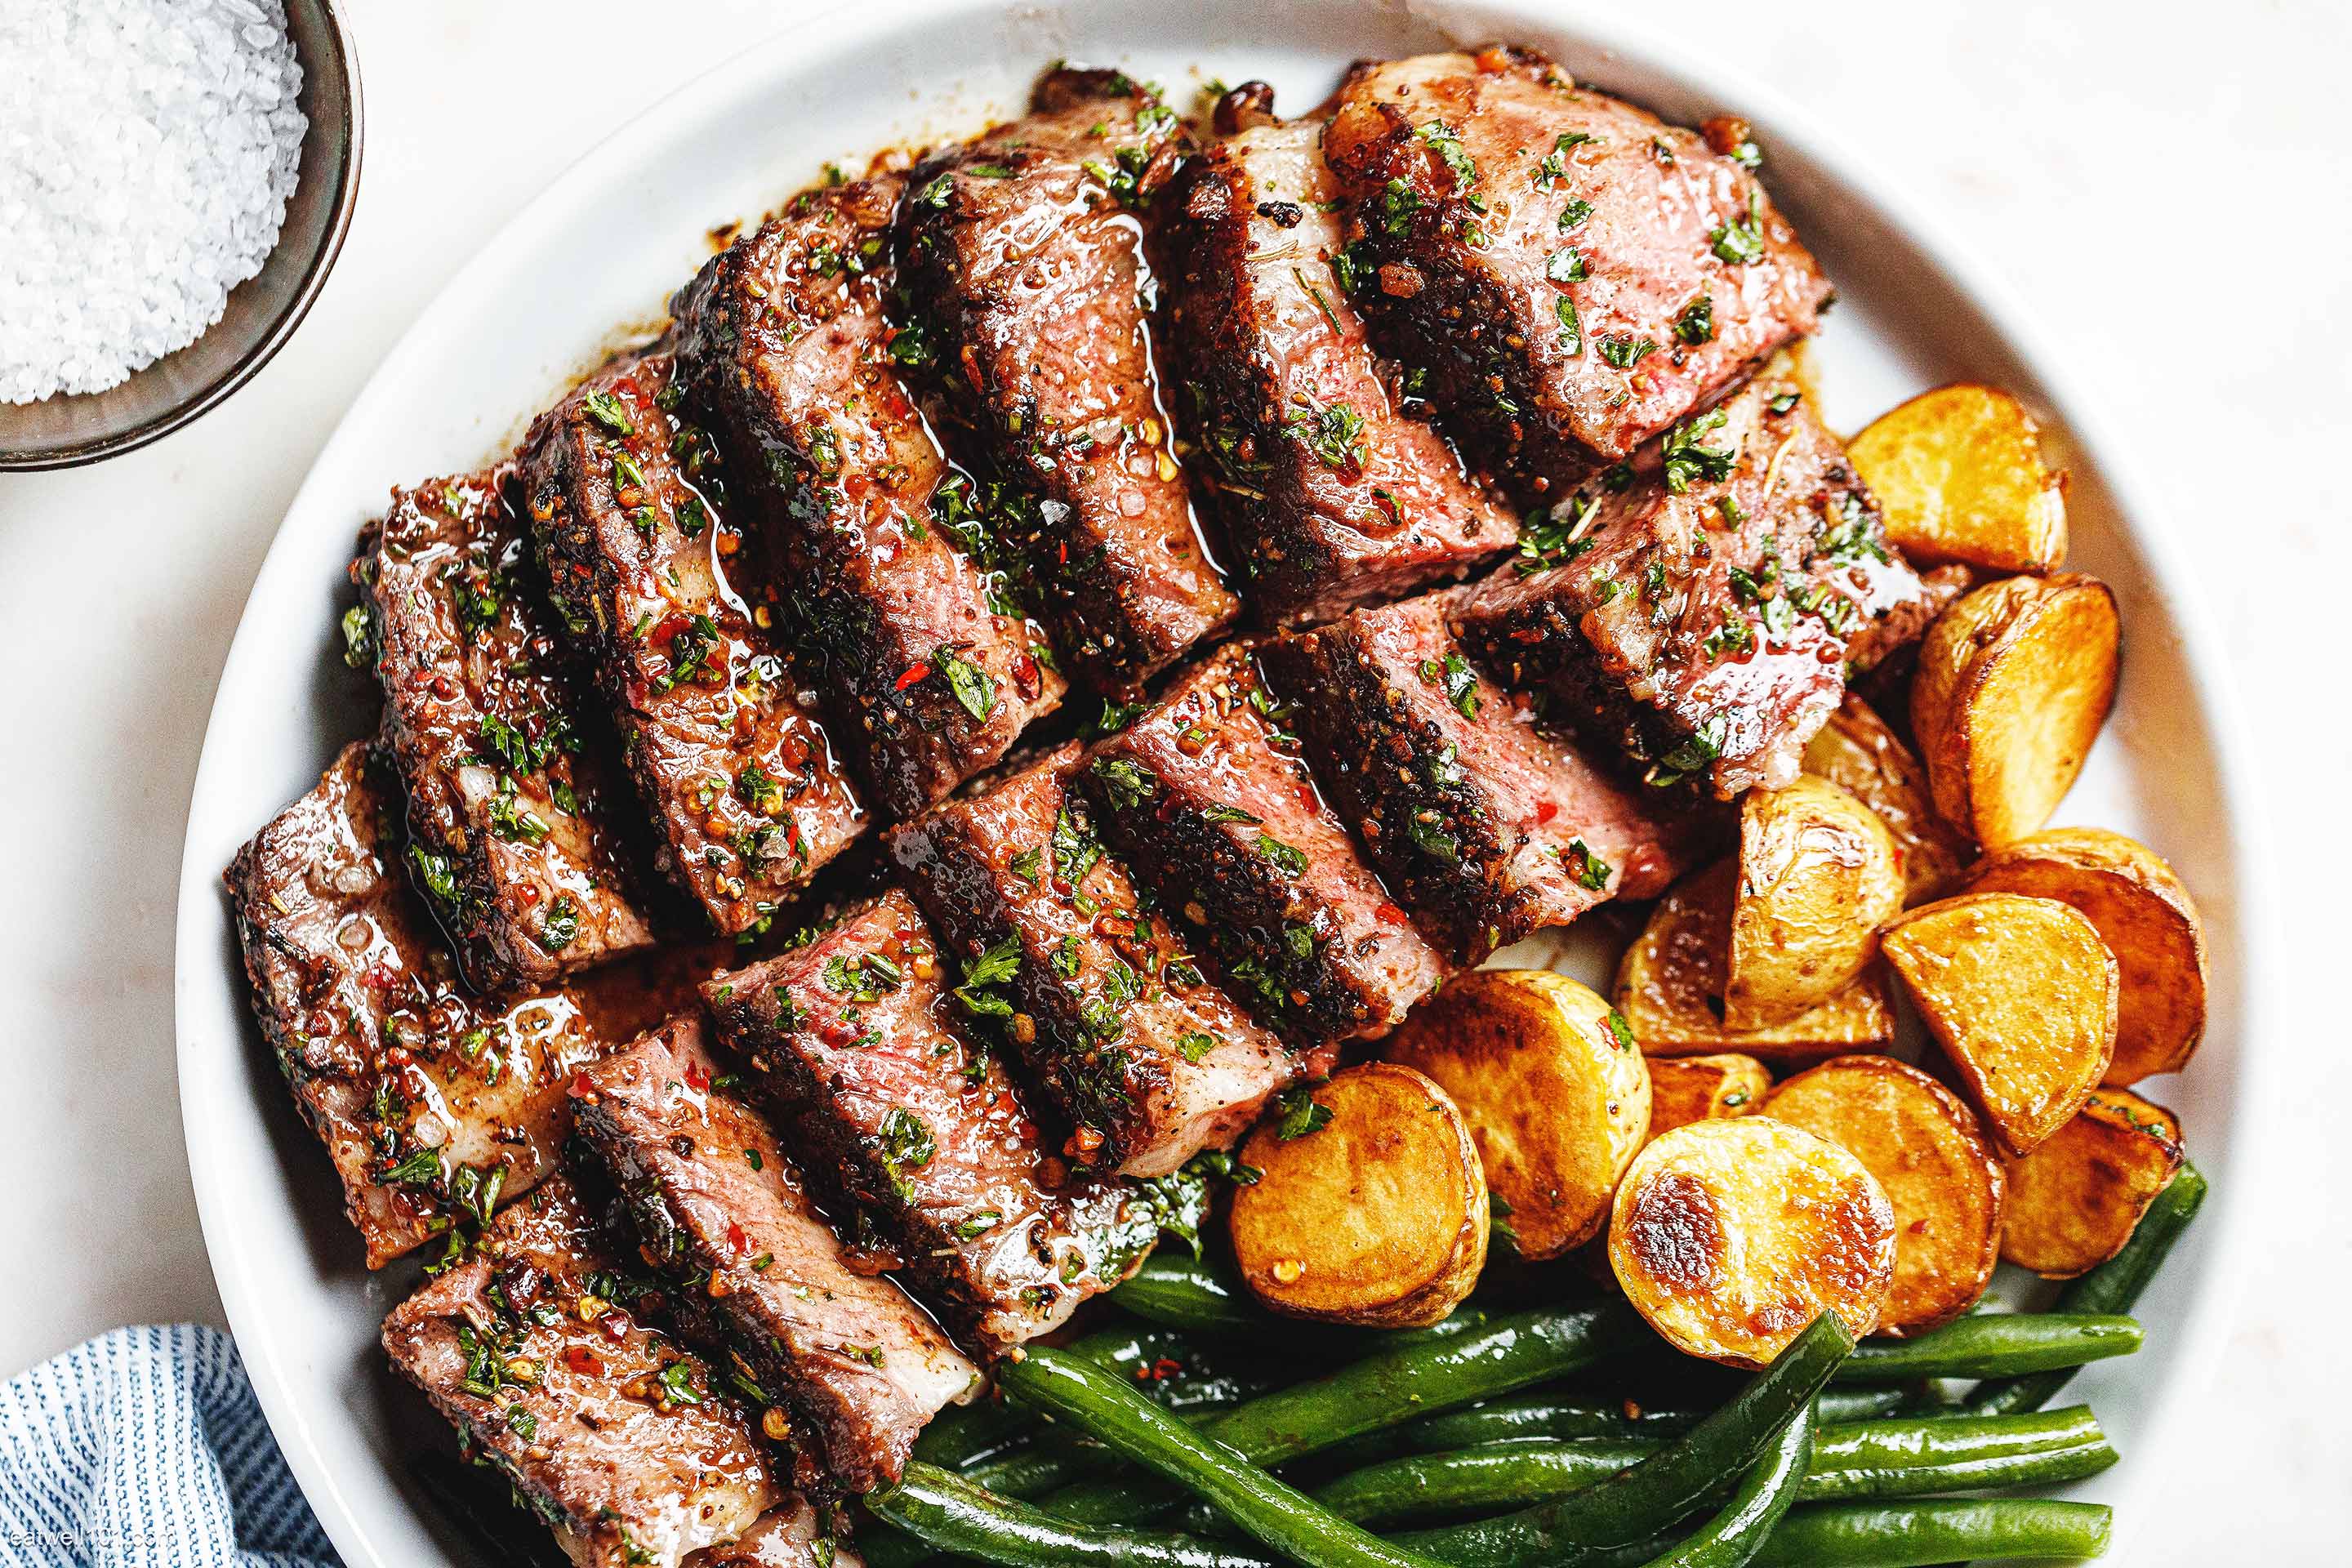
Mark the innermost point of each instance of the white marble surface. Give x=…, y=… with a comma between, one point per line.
x=2167, y=182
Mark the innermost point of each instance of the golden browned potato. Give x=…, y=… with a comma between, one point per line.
x=1671, y=982
x=1731, y=1237
x=1857, y=751
x=1369, y=1207
x=1939, y=1171
x=2021, y=995
x=2076, y=1200
x=2013, y=684
x=2143, y=914
x=1700, y=1089
x=1553, y=1087
x=1958, y=474
x=1818, y=875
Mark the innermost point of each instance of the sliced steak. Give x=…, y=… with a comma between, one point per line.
x=1208, y=798
x=1702, y=613
x=791, y=1535
x=1485, y=826
x=510, y=784
x=853, y=1040
x=538, y=1347
x=723, y=1213
x=436, y=1106
x=627, y=507
x=1574, y=274
x=928, y=669
x=1330, y=493
x=1105, y=1007
x=1024, y=264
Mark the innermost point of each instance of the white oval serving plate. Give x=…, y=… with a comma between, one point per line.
x=538, y=302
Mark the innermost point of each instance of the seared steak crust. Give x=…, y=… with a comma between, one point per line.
x=540, y=1350
x=627, y=508
x=510, y=784
x=1702, y=614
x=1330, y=494
x=1209, y=800
x=436, y=1106
x=1574, y=274
x=1485, y=827
x=783, y=342
x=854, y=1041
x=1022, y=257
x=1107, y=1009
x=723, y=1213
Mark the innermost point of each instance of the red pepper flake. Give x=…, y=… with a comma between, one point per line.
x=669, y=627
x=615, y=1325
x=915, y=671
x=1546, y=811
x=736, y=1238
x=1391, y=913
x=584, y=1361
x=580, y=1086
x=697, y=1077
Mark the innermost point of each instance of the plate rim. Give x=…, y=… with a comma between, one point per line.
x=202, y=919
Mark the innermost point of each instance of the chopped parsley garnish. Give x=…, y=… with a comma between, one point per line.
x=1447, y=143
x=1565, y=265
x=1695, y=323
x=1624, y=351
x=906, y=1145
x=1289, y=861
x=1126, y=783
x=973, y=685
x=1301, y=1113
x=563, y=923
x=864, y=977
x=1740, y=242
x=1453, y=675
x=1335, y=433
x=1590, y=871
x=1571, y=326
x=1687, y=459
x=609, y=412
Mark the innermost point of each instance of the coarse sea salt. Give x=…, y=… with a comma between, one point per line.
x=147, y=152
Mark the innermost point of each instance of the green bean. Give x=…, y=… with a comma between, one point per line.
x=1995, y=1346
x=969, y=1433
x=1851, y=1460
x=1510, y=1352
x=1540, y=1415
x=2114, y=1286
x=1179, y=1291
x=1734, y=1536
x=1862, y=1403
x=1682, y=1476
x=1920, y=1535
x=1272, y=1511
x=948, y=1514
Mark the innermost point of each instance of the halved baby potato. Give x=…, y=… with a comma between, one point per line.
x=1671, y=984
x=2076, y=1199
x=2013, y=684
x=2021, y=995
x=1818, y=875
x=1701, y=1088
x=1370, y=1210
x=1858, y=752
x=2145, y=918
x=1553, y=1087
x=1939, y=1171
x=1731, y=1237
x=1957, y=472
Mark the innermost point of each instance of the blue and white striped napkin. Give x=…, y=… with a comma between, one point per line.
x=144, y=1449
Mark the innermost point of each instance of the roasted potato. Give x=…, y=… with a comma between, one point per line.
x=2021, y=995
x=2144, y=915
x=2076, y=1200
x=2013, y=684
x=1731, y=1237
x=1958, y=474
x=1671, y=982
x=1856, y=750
x=1939, y=1171
x=1553, y=1087
x=1700, y=1089
x=1818, y=875
x=1369, y=1207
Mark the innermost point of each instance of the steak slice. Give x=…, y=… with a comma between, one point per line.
x=1105, y=1008
x=736, y=771
x=852, y=1039
x=1485, y=827
x=1208, y=799
x=791, y=1535
x=1574, y=274
x=1702, y=614
x=724, y=1214
x=1024, y=265
x=1331, y=494
x=929, y=669
x=539, y=1350
x=508, y=782
x=436, y=1106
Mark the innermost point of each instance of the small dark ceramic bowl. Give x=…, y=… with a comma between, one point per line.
x=69, y=429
